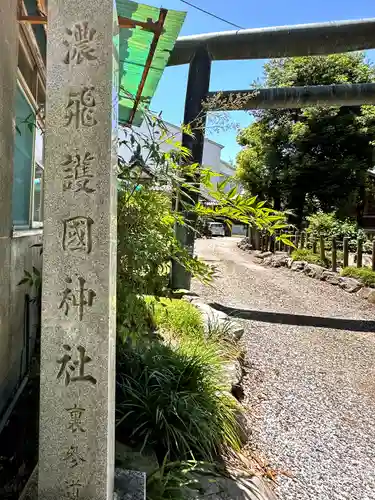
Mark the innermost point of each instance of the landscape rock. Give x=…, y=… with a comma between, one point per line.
x=134, y=459
x=279, y=261
x=364, y=293
x=276, y=260
x=371, y=296
x=350, y=285
x=268, y=261
x=263, y=255
x=298, y=265
x=241, y=488
x=210, y=316
x=213, y=318
x=245, y=244
x=330, y=277
x=314, y=271
x=130, y=485
x=236, y=330
x=233, y=374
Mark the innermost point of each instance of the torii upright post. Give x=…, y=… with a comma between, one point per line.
x=195, y=115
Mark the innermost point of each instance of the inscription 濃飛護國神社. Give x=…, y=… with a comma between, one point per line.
x=69, y=366
x=77, y=399
x=80, y=108
x=78, y=172
x=80, y=43
x=77, y=234
x=80, y=298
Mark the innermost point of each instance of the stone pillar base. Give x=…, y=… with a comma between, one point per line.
x=129, y=485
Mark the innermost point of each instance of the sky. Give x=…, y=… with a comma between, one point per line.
x=235, y=75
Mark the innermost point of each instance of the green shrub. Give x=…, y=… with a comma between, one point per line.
x=180, y=320
x=135, y=318
x=309, y=256
x=177, y=317
x=177, y=480
x=171, y=399
x=328, y=224
x=364, y=274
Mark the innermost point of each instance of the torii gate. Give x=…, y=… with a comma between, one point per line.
x=264, y=43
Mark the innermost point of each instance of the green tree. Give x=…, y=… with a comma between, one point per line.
x=317, y=157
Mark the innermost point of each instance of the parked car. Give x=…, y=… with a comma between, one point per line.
x=216, y=228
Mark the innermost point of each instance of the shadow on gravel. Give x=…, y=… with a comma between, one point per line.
x=355, y=325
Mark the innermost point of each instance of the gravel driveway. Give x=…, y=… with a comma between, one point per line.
x=311, y=390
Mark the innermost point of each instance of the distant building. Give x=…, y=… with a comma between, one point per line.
x=211, y=154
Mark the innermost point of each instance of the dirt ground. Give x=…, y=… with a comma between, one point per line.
x=310, y=390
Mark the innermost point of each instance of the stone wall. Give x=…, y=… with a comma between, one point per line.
x=12, y=333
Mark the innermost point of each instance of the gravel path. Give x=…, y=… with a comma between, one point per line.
x=311, y=390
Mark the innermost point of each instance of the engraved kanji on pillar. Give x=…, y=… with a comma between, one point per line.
x=76, y=449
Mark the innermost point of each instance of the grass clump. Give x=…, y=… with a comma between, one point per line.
x=177, y=317
x=364, y=274
x=172, y=399
x=177, y=480
x=310, y=257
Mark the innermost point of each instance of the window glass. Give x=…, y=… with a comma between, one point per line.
x=39, y=146
x=38, y=195
x=23, y=160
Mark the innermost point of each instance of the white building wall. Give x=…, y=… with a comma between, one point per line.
x=211, y=151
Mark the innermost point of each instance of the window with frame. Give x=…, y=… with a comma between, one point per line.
x=28, y=166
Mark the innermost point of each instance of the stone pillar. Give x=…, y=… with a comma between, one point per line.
x=77, y=400
x=8, y=82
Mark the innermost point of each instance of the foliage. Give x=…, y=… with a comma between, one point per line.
x=309, y=256
x=312, y=158
x=135, y=320
x=364, y=274
x=176, y=480
x=179, y=318
x=170, y=398
x=33, y=279
x=329, y=225
x=181, y=321
x=156, y=184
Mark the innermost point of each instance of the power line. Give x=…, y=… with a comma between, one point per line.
x=212, y=15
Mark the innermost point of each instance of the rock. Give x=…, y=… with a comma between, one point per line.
x=279, y=261
x=350, y=285
x=133, y=459
x=233, y=374
x=241, y=488
x=364, y=293
x=275, y=260
x=298, y=265
x=330, y=277
x=314, y=271
x=130, y=485
x=268, y=261
x=263, y=255
x=371, y=296
x=289, y=262
x=237, y=330
x=238, y=392
x=210, y=315
x=213, y=318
